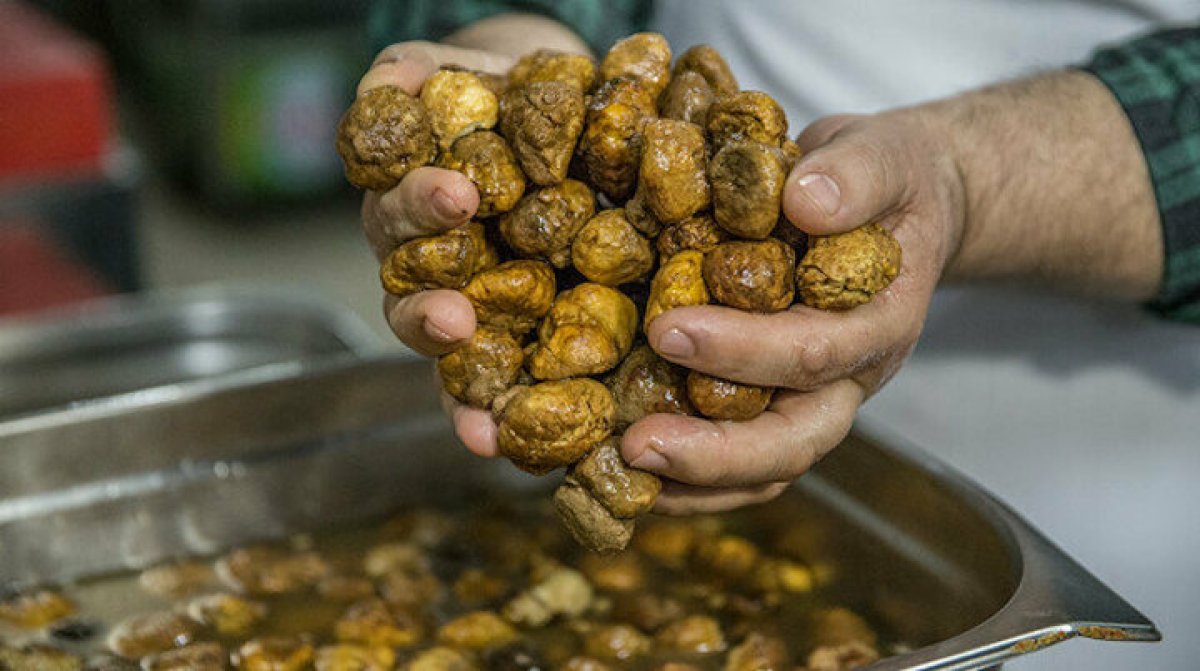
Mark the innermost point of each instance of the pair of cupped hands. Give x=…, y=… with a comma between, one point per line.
x=885, y=168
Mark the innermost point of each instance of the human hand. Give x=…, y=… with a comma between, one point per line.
x=893, y=169
x=428, y=201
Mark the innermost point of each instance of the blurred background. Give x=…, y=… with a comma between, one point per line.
x=150, y=145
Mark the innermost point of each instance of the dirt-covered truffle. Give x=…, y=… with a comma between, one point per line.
x=843, y=271
x=446, y=261
x=552, y=424
x=747, y=188
x=486, y=159
x=544, y=223
x=674, y=169
x=384, y=135
x=542, y=121
x=482, y=368
x=753, y=275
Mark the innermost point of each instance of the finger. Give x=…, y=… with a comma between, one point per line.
x=799, y=348
x=406, y=65
x=409, y=64
x=474, y=427
x=428, y=201
x=679, y=499
x=850, y=180
x=430, y=322
x=777, y=446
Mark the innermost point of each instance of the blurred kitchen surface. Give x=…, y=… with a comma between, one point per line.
x=219, y=169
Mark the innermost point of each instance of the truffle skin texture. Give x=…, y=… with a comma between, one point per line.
x=679, y=282
x=543, y=121
x=610, y=147
x=589, y=521
x=688, y=98
x=625, y=491
x=446, y=261
x=747, y=188
x=610, y=251
x=709, y=64
x=458, y=103
x=747, y=115
x=720, y=399
x=751, y=275
x=674, y=169
x=482, y=368
x=385, y=134
x=699, y=232
x=512, y=296
x=645, y=57
x=544, y=223
x=588, y=330
x=638, y=212
x=548, y=65
x=843, y=271
x=486, y=159
x=645, y=384
x=552, y=424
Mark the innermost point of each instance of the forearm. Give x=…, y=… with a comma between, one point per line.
x=1055, y=188
x=516, y=34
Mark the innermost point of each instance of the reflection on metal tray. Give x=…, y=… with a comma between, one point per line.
x=116, y=346
x=92, y=490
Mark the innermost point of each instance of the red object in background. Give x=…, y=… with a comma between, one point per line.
x=36, y=273
x=55, y=97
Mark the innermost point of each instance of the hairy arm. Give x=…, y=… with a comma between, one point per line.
x=1055, y=187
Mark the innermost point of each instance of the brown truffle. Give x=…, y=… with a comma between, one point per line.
x=625, y=491
x=688, y=98
x=544, y=223
x=543, y=121
x=708, y=63
x=552, y=424
x=747, y=187
x=843, y=271
x=699, y=232
x=751, y=275
x=590, y=523
x=446, y=261
x=609, y=250
x=716, y=398
x=674, y=169
x=482, y=368
x=384, y=135
x=485, y=158
x=513, y=295
x=645, y=384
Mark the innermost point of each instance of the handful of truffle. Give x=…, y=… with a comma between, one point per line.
x=609, y=194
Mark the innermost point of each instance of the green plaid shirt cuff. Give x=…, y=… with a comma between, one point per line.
x=599, y=22
x=1156, y=79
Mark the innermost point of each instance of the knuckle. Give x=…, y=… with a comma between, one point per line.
x=811, y=360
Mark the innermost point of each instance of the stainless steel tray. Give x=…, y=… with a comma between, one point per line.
x=119, y=345
x=93, y=489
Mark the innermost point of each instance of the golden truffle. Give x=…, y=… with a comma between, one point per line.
x=458, y=103
x=747, y=188
x=709, y=64
x=645, y=57
x=753, y=275
x=552, y=424
x=679, y=282
x=843, y=271
x=688, y=98
x=384, y=135
x=482, y=368
x=610, y=251
x=588, y=330
x=674, y=169
x=548, y=65
x=543, y=121
x=512, y=296
x=610, y=148
x=446, y=261
x=747, y=115
x=486, y=159
x=720, y=399
x=544, y=223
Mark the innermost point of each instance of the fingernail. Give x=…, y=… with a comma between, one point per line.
x=436, y=332
x=822, y=191
x=676, y=343
x=445, y=206
x=650, y=459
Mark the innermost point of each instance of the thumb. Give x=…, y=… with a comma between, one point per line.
x=851, y=178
